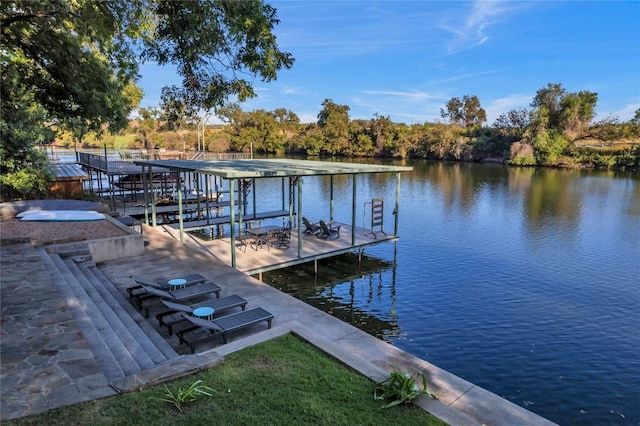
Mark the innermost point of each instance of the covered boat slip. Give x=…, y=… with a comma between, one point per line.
x=239, y=175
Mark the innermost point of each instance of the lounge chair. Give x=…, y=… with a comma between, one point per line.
x=329, y=232
x=174, y=314
x=137, y=289
x=310, y=227
x=220, y=326
x=152, y=294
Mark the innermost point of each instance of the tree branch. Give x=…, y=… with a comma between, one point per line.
x=26, y=17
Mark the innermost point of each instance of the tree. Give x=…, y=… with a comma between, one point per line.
x=546, y=104
x=24, y=170
x=175, y=114
x=78, y=58
x=260, y=132
x=514, y=123
x=211, y=43
x=576, y=111
x=559, y=118
x=74, y=56
x=382, y=132
x=466, y=112
x=146, y=124
x=286, y=119
x=333, y=120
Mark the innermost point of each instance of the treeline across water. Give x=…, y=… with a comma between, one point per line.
x=558, y=130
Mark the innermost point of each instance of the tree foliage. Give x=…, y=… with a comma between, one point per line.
x=73, y=63
x=212, y=43
x=333, y=120
x=175, y=114
x=514, y=123
x=569, y=113
x=559, y=118
x=466, y=112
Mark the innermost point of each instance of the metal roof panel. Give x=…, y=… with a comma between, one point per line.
x=277, y=167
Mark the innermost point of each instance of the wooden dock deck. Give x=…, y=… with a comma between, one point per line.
x=255, y=261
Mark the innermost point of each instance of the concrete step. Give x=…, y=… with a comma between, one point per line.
x=107, y=338
x=70, y=249
x=60, y=276
x=111, y=323
x=155, y=345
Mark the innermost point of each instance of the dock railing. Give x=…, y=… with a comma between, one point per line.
x=106, y=163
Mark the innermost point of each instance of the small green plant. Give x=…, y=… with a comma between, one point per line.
x=184, y=396
x=401, y=388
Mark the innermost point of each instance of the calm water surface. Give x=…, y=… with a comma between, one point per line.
x=523, y=281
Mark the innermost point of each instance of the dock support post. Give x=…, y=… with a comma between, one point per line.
x=315, y=267
x=331, y=198
x=180, y=212
x=232, y=217
x=154, y=219
x=299, y=182
x=145, y=193
x=353, y=210
x=395, y=211
x=283, y=192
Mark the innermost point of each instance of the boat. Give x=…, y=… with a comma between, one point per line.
x=135, y=181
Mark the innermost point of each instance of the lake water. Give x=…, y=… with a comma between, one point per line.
x=523, y=281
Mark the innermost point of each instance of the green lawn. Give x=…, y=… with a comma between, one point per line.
x=281, y=382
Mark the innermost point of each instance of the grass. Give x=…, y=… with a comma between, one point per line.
x=281, y=382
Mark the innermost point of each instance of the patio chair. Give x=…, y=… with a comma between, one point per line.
x=310, y=227
x=137, y=289
x=329, y=232
x=242, y=240
x=204, y=329
x=174, y=314
x=280, y=238
x=152, y=294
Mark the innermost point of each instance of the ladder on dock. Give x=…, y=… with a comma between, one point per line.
x=377, y=217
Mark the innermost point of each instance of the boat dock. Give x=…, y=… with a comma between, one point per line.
x=233, y=217
x=254, y=259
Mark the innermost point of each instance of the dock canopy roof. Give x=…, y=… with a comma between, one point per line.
x=280, y=167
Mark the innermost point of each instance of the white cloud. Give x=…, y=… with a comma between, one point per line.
x=293, y=91
x=413, y=95
x=471, y=31
x=465, y=76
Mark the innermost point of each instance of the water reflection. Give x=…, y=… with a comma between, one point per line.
x=359, y=293
x=521, y=280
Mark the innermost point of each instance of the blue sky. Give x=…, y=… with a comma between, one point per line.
x=406, y=59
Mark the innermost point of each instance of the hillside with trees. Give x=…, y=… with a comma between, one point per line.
x=558, y=130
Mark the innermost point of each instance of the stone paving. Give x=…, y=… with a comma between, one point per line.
x=46, y=362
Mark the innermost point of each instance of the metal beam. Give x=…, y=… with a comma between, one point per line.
x=232, y=216
x=299, y=182
x=396, y=210
x=331, y=198
x=180, y=212
x=353, y=209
